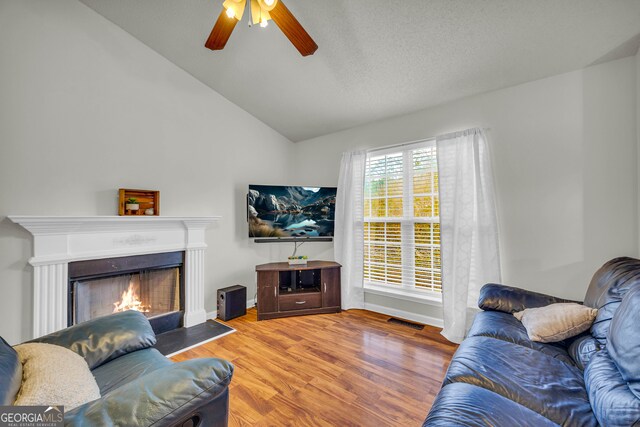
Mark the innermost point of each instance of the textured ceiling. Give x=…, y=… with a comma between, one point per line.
x=379, y=58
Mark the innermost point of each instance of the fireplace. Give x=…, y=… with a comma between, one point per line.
x=152, y=284
x=59, y=242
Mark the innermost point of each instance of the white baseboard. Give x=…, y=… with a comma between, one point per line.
x=214, y=314
x=407, y=315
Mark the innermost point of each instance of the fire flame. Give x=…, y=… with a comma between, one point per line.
x=130, y=301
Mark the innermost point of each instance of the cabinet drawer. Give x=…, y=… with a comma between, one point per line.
x=300, y=301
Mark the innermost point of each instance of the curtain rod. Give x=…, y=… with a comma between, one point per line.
x=386, y=147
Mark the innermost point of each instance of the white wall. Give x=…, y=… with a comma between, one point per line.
x=564, y=153
x=86, y=109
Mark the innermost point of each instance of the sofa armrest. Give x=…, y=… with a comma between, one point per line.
x=105, y=338
x=165, y=397
x=495, y=297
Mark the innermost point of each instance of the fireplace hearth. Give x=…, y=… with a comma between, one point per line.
x=152, y=284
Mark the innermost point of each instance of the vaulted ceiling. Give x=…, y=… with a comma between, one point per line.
x=379, y=58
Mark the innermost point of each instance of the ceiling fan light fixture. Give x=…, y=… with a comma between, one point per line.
x=264, y=18
x=261, y=12
x=267, y=5
x=235, y=8
x=258, y=14
x=255, y=12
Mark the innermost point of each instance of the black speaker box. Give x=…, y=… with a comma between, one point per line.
x=232, y=302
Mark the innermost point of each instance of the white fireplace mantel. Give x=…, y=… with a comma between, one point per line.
x=58, y=240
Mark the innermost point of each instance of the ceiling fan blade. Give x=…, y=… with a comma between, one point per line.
x=221, y=32
x=291, y=28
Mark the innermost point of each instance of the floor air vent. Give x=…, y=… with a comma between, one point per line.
x=411, y=325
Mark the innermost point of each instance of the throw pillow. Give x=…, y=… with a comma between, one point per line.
x=556, y=322
x=53, y=375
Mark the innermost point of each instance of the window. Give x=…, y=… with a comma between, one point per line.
x=401, y=220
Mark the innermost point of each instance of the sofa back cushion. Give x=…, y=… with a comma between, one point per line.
x=624, y=340
x=10, y=373
x=105, y=338
x=607, y=288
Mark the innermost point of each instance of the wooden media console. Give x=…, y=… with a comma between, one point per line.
x=296, y=290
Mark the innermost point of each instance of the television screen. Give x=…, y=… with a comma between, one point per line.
x=287, y=211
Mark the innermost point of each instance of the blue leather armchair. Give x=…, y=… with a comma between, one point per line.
x=498, y=377
x=138, y=385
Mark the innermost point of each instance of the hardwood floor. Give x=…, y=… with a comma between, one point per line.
x=347, y=369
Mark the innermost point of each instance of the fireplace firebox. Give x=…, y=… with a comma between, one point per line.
x=152, y=284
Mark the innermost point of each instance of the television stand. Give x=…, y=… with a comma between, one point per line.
x=296, y=290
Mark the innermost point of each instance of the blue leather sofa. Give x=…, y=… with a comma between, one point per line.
x=498, y=377
x=138, y=385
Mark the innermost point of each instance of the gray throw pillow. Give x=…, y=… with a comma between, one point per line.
x=556, y=322
x=53, y=375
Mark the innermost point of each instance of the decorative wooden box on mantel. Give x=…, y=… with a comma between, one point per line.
x=145, y=199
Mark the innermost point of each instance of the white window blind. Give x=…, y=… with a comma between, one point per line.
x=401, y=224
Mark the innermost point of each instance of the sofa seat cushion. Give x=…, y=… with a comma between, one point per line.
x=469, y=405
x=128, y=367
x=613, y=403
x=163, y=397
x=543, y=384
x=505, y=327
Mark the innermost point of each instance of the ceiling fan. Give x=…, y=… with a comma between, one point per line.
x=261, y=12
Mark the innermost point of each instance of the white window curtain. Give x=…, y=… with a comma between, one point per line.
x=469, y=229
x=349, y=228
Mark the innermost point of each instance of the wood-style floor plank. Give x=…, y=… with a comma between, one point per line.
x=347, y=369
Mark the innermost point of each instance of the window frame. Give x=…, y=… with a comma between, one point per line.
x=407, y=289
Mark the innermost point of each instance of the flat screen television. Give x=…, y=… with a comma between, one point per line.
x=279, y=211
